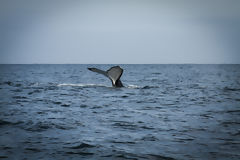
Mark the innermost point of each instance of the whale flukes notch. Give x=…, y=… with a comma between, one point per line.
x=114, y=74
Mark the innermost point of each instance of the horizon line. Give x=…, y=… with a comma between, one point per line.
x=119, y=63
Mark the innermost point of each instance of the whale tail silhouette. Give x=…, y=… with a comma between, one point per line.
x=114, y=74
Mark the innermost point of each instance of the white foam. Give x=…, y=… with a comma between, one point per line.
x=81, y=85
x=130, y=86
x=133, y=86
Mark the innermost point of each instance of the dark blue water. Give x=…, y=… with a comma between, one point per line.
x=163, y=112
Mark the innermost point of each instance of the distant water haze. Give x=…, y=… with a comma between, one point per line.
x=126, y=31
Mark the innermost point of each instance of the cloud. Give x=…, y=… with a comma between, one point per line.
x=120, y=31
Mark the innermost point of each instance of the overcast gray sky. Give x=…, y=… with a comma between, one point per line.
x=120, y=31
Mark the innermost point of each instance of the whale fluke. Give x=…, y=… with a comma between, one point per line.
x=114, y=74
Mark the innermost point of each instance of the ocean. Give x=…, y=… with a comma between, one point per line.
x=165, y=111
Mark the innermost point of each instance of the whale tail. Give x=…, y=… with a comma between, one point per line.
x=114, y=74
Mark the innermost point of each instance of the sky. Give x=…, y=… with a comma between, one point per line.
x=119, y=31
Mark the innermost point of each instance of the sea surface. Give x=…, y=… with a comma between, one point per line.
x=163, y=112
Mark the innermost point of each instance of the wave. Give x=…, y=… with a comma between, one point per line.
x=140, y=87
x=89, y=85
x=82, y=85
x=231, y=89
x=131, y=86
